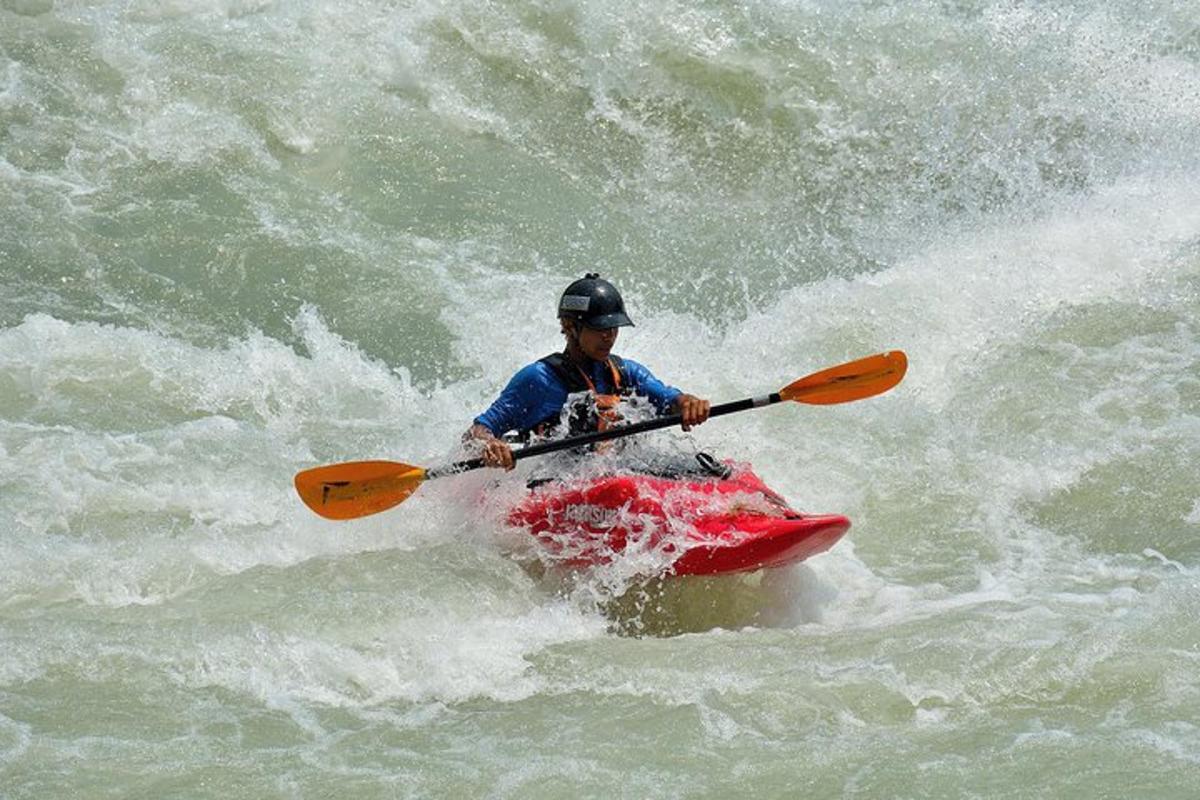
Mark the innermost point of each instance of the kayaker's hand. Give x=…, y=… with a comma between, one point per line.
x=693, y=409
x=494, y=452
x=497, y=453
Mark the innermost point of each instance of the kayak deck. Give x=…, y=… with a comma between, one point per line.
x=696, y=525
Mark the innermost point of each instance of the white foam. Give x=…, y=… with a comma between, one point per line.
x=424, y=660
x=951, y=305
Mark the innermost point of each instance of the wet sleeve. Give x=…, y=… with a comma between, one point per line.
x=532, y=395
x=645, y=383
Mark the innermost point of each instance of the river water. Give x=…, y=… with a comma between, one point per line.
x=239, y=238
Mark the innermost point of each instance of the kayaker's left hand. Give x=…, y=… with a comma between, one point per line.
x=694, y=410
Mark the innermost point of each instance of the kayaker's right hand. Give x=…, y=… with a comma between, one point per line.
x=497, y=453
x=494, y=451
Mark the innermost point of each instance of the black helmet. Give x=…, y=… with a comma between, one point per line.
x=595, y=302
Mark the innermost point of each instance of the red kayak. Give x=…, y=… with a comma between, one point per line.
x=702, y=525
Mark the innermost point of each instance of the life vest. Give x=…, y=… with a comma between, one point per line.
x=599, y=414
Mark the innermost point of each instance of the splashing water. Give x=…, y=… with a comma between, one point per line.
x=241, y=238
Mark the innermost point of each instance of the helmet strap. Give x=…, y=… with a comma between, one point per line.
x=572, y=328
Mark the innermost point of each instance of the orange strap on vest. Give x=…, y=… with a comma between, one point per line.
x=606, y=404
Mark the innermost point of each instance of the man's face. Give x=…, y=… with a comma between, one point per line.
x=597, y=343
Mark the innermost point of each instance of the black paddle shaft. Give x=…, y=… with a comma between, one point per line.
x=603, y=436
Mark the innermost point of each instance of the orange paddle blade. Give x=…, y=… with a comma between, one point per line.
x=855, y=380
x=357, y=488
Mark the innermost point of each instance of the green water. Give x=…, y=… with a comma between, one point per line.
x=239, y=238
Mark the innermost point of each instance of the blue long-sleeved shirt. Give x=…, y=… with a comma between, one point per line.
x=536, y=393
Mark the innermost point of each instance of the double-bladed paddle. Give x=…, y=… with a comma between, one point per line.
x=358, y=488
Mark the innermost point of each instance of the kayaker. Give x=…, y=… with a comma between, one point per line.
x=591, y=313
